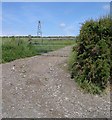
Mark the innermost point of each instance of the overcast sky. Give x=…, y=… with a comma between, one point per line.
x=57, y=18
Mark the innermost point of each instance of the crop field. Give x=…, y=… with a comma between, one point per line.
x=15, y=48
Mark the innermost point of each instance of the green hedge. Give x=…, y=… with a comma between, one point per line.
x=91, y=66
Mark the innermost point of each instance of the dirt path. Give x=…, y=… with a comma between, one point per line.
x=41, y=87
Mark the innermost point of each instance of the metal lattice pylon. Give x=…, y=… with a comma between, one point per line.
x=39, y=32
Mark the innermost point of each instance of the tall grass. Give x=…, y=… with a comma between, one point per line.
x=15, y=48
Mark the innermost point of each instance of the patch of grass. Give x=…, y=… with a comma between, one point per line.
x=89, y=87
x=86, y=85
x=15, y=48
x=72, y=58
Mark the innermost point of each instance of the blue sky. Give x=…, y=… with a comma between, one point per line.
x=57, y=18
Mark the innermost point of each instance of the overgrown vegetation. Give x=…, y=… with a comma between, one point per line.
x=14, y=48
x=90, y=61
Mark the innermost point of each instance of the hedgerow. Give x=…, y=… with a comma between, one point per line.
x=92, y=61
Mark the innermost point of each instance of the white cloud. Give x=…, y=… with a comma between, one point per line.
x=69, y=30
x=106, y=7
x=62, y=25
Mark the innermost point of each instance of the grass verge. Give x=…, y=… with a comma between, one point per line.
x=14, y=48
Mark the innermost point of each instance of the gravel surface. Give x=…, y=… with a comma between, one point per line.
x=41, y=87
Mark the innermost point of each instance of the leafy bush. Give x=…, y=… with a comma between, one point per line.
x=91, y=66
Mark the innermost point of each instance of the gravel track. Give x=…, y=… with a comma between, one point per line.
x=41, y=87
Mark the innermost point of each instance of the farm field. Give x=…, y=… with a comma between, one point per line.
x=15, y=48
x=56, y=60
